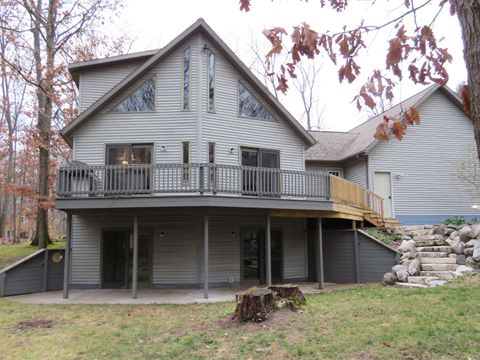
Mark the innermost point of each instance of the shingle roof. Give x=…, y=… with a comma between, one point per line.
x=339, y=146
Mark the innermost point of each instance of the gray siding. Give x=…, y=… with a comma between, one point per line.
x=323, y=166
x=339, y=256
x=178, y=255
x=29, y=276
x=425, y=161
x=375, y=259
x=356, y=171
x=169, y=125
x=95, y=83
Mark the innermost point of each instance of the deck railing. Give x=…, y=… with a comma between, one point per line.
x=353, y=194
x=157, y=179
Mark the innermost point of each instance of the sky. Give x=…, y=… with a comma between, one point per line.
x=153, y=23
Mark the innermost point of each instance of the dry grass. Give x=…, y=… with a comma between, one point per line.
x=369, y=322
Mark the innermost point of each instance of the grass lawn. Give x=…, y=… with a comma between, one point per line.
x=370, y=322
x=14, y=252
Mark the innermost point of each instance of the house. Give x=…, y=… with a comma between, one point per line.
x=420, y=177
x=187, y=172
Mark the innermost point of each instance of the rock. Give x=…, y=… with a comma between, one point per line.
x=453, y=256
x=389, y=278
x=458, y=246
x=468, y=252
x=427, y=227
x=475, y=231
x=465, y=233
x=461, y=259
x=414, y=267
x=448, y=231
x=439, y=229
x=402, y=275
x=435, y=283
x=470, y=243
x=471, y=263
x=405, y=262
x=463, y=269
x=398, y=268
x=453, y=227
x=476, y=250
x=407, y=246
x=406, y=238
x=454, y=234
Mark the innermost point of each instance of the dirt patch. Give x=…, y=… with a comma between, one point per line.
x=34, y=324
x=274, y=320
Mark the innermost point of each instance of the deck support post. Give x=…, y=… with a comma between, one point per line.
x=268, y=245
x=205, y=257
x=135, y=258
x=357, y=256
x=319, y=261
x=66, y=264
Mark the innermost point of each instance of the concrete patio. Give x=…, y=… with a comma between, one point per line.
x=153, y=296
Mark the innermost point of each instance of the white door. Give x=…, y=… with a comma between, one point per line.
x=383, y=187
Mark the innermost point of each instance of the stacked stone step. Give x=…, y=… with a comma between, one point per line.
x=428, y=257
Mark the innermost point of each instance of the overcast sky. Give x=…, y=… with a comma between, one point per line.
x=154, y=23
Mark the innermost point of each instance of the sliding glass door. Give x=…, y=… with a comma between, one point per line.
x=256, y=181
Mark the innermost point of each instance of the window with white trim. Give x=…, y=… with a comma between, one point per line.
x=335, y=172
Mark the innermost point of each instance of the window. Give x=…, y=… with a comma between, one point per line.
x=335, y=172
x=129, y=154
x=10, y=234
x=186, y=161
x=211, y=81
x=265, y=182
x=141, y=99
x=186, y=79
x=249, y=106
x=128, y=179
x=211, y=153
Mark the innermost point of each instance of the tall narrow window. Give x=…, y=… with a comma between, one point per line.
x=141, y=99
x=211, y=153
x=249, y=106
x=211, y=81
x=186, y=79
x=186, y=161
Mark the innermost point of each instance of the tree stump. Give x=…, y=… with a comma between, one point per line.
x=291, y=293
x=254, y=305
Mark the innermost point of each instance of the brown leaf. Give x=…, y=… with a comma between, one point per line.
x=245, y=5
x=398, y=129
x=381, y=132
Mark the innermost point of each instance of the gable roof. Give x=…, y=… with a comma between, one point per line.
x=340, y=146
x=199, y=25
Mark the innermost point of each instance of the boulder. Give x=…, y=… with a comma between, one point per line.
x=461, y=259
x=476, y=250
x=453, y=256
x=470, y=243
x=402, y=275
x=468, y=252
x=439, y=229
x=407, y=246
x=414, y=267
x=448, y=231
x=406, y=238
x=454, y=234
x=458, y=246
x=405, y=262
x=465, y=233
x=398, y=268
x=451, y=226
x=471, y=263
x=463, y=269
x=475, y=231
x=389, y=278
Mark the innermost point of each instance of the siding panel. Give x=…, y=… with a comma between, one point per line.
x=426, y=161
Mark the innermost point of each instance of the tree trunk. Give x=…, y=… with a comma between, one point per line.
x=254, y=305
x=289, y=292
x=469, y=17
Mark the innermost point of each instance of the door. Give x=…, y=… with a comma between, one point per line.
x=383, y=187
x=255, y=181
x=254, y=257
x=117, y=259
x=114, y=259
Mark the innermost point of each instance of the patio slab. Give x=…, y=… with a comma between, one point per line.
x=152, y=296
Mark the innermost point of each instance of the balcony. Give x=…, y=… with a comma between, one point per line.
x=113, y=181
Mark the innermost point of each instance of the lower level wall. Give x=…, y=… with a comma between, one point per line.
x=432, y=219
x=177, y=259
